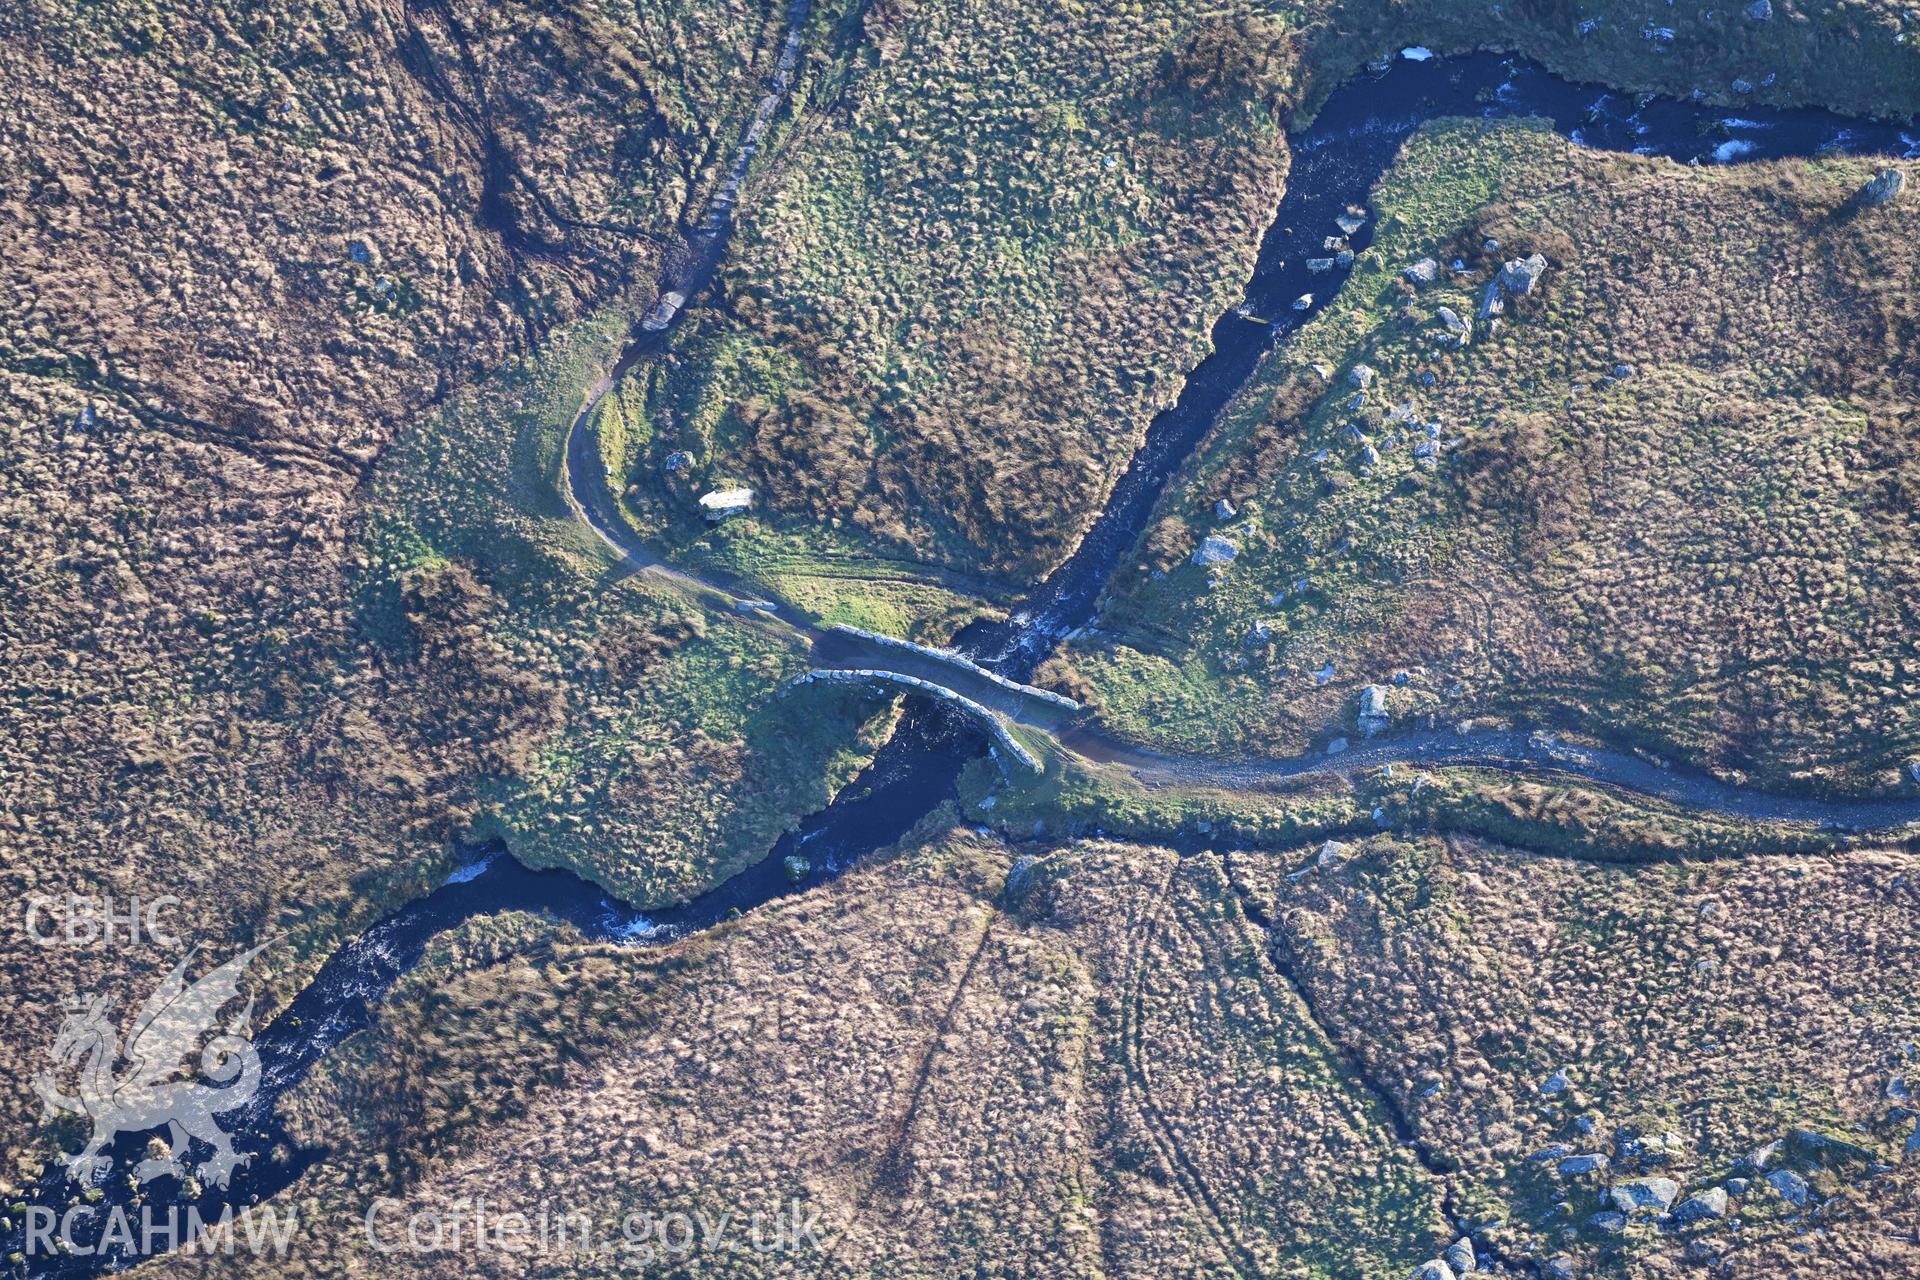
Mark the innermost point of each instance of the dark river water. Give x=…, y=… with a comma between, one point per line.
x=1336, y=162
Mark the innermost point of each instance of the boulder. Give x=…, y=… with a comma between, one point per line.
x=1452, y=321
x=1610, y=1221
x=1760, y=10
x=1374, y=715
x=1585, y=1163
x=1432, y=1269
x=1425, y=271
x=1711, y=1203
x=1520, y=274
x=1224, y=510
x=1318, y=266
x=1459, y=1256
x=1350, y=222
x=1214, y=549
x=1491, y=303
x=1559, y=1267
x=1302, y=302
x=724, y=503
x=1361, y=375
x=1558, y=1082
x=1884, y=186
x=1644, y=1195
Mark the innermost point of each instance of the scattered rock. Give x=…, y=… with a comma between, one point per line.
x=1791, y=1187
x=1558, y=1268
x=1610, y=1221
x=1711, y=1203
x=1520, y=274
x=1224, y=510
x=1558, y=1082
x=1884, y=186
x=1214, y=549
x=1425, y=271
x=1654, y=1150
x=1587, y=1162
x=724, y=503
x=1643, y=1195
x=1621, y=372
x=677, y=461
x=1259, y=633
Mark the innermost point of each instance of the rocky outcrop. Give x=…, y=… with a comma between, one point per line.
x=1884, y=186
x=722, y=504
x=1520, y=275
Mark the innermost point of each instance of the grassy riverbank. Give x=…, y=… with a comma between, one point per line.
x=614, y=723
x=1664, y=496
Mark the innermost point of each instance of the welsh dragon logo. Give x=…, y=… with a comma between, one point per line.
x=151, y=1093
